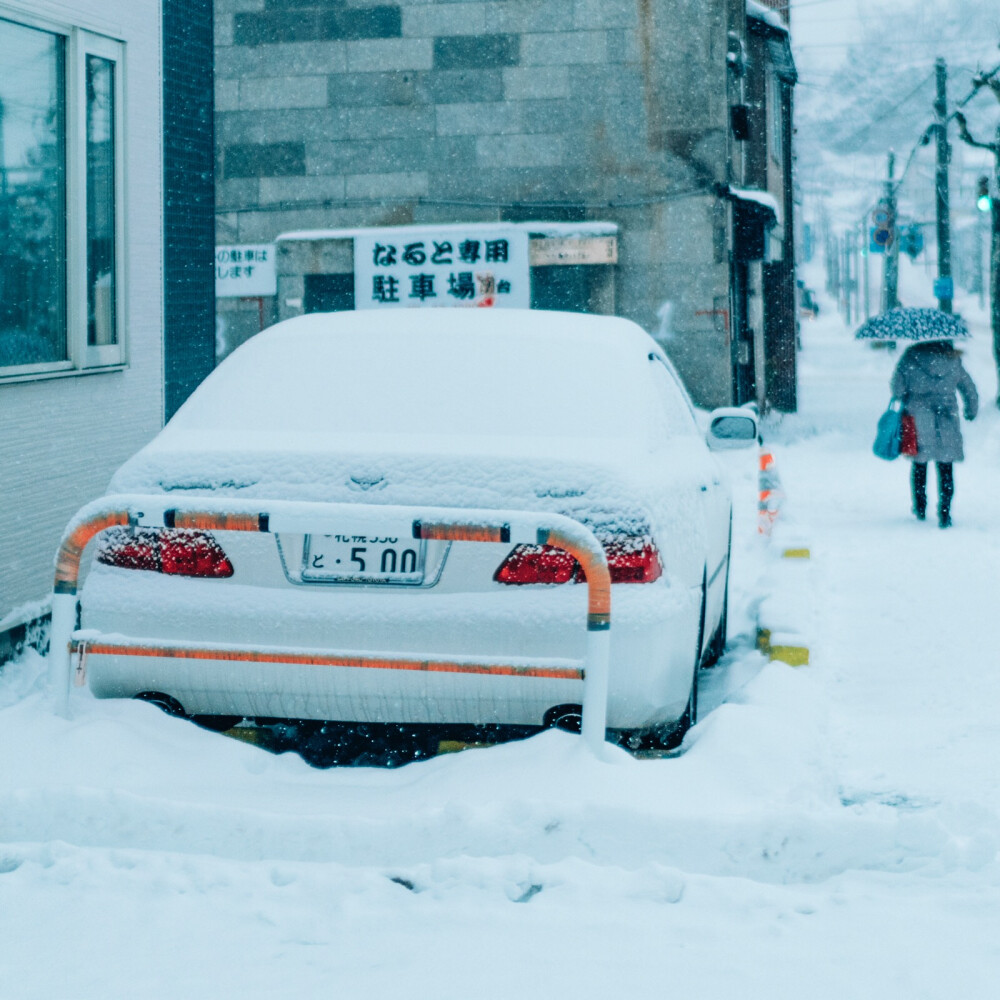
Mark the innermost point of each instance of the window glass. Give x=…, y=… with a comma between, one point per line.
x=675, y=407
x=32, y=196
x=101, y=320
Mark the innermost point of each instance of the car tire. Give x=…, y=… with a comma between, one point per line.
x=217, y=723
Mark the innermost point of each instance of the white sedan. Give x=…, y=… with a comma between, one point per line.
x=535, y=412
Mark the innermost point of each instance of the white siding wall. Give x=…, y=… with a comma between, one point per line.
x=61, y=439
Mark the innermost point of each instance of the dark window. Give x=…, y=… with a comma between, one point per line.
x=328, y=293
x=32, y=196
x=563, y=287
x=739, y=118
x=102, y=327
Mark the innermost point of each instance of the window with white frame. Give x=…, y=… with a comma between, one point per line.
x=61, y=236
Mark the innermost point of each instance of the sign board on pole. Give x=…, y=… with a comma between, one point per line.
x=417, y=266
x=246, y=270
x=574, y=250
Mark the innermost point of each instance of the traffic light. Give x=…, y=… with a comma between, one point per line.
x=983, y=194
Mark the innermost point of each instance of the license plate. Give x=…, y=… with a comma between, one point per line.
x=363, y=559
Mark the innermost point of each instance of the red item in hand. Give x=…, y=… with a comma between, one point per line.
x=908, y=444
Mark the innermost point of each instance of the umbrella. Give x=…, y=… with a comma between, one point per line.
x=916, y=325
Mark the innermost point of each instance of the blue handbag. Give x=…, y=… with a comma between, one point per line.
x=889, y=436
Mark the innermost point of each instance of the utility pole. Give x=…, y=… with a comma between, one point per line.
x=892, y=249
x=980, y=278
x=833, y=265
x=848, y=282
x=941, y=185
x=863, y=244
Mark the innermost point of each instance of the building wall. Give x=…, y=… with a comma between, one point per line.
x=61, y=437
x=770, y=165
x=344, y=115
x=189, y=198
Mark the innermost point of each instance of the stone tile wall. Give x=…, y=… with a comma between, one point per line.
x=359, y=113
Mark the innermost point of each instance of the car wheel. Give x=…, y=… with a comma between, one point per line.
x=216, y=723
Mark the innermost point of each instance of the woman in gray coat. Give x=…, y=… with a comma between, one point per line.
x=927, y=379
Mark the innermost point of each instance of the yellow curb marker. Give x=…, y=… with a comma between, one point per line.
x=794, y=656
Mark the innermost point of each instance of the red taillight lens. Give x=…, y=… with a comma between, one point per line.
x=165, y=550
x=538, y=564
x=631, y=559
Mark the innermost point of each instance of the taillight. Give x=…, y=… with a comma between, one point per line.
x=631, y=559
x=538, y=564
x=165, y=550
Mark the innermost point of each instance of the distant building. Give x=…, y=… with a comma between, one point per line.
x=106, y=229
x=770, y=77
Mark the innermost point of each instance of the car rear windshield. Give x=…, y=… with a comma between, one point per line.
x=392, y=384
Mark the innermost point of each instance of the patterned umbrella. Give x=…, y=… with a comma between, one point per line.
x=915, y=325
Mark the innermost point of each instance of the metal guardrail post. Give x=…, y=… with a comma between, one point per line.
x=302, y=517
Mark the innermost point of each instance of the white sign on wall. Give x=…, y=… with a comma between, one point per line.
x=474, y=265
x=245, y=271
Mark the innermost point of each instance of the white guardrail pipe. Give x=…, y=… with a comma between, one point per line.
x=301, y=517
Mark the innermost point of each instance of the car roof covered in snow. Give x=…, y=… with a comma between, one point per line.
x=340, y=379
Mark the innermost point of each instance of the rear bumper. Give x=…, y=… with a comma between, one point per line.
x=652, y=650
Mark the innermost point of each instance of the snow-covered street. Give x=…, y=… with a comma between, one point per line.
x=829, y=831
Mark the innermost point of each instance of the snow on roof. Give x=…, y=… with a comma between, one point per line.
x=770, y=17
x=764, y=198
x=539, y=228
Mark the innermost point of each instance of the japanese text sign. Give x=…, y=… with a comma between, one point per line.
x=475, y=265
x=246, y=270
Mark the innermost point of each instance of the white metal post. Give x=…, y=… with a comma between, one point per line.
x=60, y=633
x=595, y=690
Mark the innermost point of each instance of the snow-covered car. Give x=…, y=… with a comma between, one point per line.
x=553, y=413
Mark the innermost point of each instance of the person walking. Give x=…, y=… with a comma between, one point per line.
x=927, y=379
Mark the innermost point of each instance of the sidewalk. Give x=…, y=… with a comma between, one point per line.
x=906, y=616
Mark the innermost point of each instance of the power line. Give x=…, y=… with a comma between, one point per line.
x=890, y=111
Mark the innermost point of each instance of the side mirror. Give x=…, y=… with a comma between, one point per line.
x=731, y=427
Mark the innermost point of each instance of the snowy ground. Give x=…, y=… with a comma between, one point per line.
x=830, y=831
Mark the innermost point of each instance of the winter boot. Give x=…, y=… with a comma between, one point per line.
x=918, y=483
x=946, y=490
